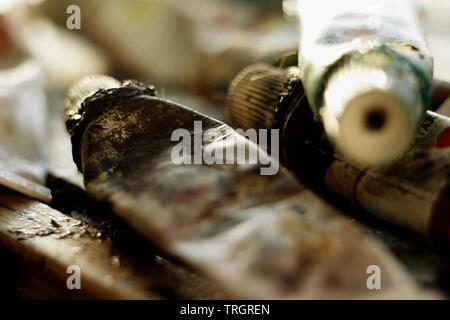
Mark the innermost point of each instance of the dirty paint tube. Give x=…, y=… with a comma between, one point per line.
x=414, y=192
x=367, y=74
x=257, y=236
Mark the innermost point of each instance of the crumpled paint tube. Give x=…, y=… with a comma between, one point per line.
x=414, y=192
x=23, y=111
x=367, y=74
x=257, y=236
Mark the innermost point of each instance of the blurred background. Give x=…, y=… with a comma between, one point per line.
x=190, y=50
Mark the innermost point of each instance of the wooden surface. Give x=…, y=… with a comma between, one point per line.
x=39, y=243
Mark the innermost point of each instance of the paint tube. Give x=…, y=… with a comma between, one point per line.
x=367, y=74
x=23, y=111
x=444, y=109
x=441, y=94
x=257, y=236
x=413, y=192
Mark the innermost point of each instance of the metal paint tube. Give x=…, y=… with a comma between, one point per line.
x=367, y=74
x=413, y=192
x=444, y=109
x=256, y=236
x=440, y=94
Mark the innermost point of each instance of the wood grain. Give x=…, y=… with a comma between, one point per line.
x=44, y=242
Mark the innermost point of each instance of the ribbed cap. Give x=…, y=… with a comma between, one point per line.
x=92, y=96
x=81, y=90
x=259, y=95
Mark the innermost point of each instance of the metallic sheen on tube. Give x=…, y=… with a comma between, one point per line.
x=414, y=192
x=367, y=74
